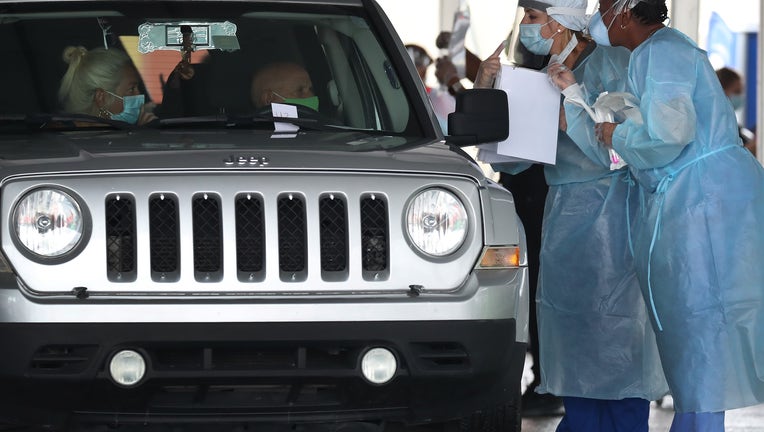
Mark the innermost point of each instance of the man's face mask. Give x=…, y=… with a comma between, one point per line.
x=310, y=102
x=131, y=108
x=530, y=36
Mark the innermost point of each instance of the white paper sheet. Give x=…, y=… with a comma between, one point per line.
x=534, y=115
x=284, y=110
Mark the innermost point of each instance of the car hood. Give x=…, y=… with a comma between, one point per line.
x=152, y=150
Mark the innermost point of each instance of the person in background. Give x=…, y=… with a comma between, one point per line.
x=445, y=70
x=732, y=84
x=283, y=82
x=597, y=349
x=422, y=62
x=103, y=83
x=698, y=242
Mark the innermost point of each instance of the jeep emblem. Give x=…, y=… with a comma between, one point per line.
x=256, y=161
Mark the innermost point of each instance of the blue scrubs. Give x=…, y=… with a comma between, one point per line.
x=699, y=237
x=584, y=415
x=594, y=333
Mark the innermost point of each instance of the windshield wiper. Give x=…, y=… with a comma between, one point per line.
x=246, y=122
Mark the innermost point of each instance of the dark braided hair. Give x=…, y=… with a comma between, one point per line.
x=650, y=11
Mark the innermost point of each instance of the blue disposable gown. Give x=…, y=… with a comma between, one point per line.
x=595, y=339
x=699, y=239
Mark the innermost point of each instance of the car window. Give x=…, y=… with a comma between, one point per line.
x=355, y=84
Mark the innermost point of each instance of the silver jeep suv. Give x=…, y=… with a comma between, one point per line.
x=225, y=262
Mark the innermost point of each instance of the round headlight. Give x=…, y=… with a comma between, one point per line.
x=48, y=222
x=437, y=222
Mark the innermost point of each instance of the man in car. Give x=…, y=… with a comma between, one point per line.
x=283, y=82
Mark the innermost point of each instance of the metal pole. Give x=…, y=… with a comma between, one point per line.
x=447, y=10
x=685, y=16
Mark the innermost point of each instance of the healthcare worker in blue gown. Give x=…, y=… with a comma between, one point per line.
x=597, y=349
x=699, y=236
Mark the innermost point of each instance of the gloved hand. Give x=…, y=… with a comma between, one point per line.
x=489, y=68
x=560, y=76
x=604, y=133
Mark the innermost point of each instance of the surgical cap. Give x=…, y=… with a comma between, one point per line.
x=569, y=13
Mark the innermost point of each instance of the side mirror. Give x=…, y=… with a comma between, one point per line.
x=481, y=116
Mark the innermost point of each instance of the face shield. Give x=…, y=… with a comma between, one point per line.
x=621, y=6
x=529, y=44
x=517, y=53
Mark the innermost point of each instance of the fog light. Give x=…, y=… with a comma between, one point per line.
x=378, y=365
x=127, y=368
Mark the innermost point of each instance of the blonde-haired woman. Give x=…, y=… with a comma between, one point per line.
x=103, y=83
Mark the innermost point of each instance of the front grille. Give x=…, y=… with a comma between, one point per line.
x=259, y=358
x=374, y=234
x=208, y=242
x=246, y=396
x=250, y=233
x=164, y=236
x=441, y=355
x=62, y=359
x=120, y=238
x=333, y=234
x=292, y=237
x=250, y=238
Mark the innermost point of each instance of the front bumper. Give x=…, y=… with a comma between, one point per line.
x=251, y=372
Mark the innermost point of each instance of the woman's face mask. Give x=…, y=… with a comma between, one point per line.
x=131, y=108
x=530, y=36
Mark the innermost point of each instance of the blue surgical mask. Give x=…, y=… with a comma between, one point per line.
x=530, y=36
x=737, y=100
x=131, y=108
x=310, y=102
x=598, y=31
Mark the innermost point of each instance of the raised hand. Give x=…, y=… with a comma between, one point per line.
x=489, y=68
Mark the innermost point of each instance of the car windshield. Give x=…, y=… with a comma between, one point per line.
x=202, y=65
